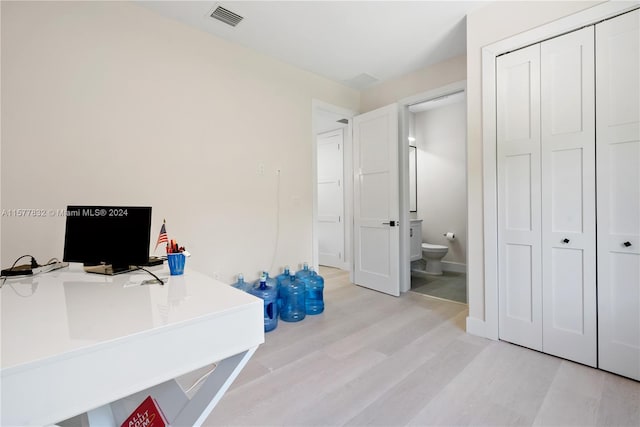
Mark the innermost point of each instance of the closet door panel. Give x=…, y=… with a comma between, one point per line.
x=568, y=197
x=624, y=278
x=518, y=189
x=618, y=185
x=518, y=151
x=565, y=180
x=566, y=288
x=623, y=188
x=518, y=274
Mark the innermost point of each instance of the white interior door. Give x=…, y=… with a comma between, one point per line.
x=330, y=146
x=518, y=163
x=618, y=183
x=376, y=200
x=568, y=197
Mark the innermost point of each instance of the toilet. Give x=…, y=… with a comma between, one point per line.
x=433, y=255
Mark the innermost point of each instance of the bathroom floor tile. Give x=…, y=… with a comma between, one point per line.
x=451, y=286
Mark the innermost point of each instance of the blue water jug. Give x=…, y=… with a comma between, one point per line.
x=279, y=279
x=269, y=295
x=241, y=284
x=302, y=274
x=292, y=294
x=283, y=276
x=270, y=280
x=314, y=300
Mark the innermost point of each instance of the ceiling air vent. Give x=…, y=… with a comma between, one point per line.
x=226, y=16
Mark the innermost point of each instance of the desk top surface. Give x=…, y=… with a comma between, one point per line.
x=66, y=310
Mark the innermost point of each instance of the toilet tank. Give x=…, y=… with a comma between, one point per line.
x=415, y=239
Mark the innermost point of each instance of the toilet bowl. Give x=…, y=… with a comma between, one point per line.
x=433, y=255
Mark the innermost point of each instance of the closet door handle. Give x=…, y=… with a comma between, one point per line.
x=391, y=223
x=565, y=240
x=627, y=244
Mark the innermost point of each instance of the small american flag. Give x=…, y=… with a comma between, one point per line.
x=162, y=238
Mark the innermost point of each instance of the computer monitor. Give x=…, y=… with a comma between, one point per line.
x=107, y=239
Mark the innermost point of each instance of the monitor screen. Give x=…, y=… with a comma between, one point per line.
x=115, y=235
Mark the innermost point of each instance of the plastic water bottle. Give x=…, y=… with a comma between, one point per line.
x=302, y=274
x=270, y=280
x=269, y=295
x=314, y=302
x=241, y=284
x=292, y=293
x=279, y=279
x=283, y=276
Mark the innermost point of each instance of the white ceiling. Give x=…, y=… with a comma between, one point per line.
x=345, y=41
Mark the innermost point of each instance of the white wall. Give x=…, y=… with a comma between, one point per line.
x=442, y=199
x=109, y=103
x=433, y=77
x=494, y=22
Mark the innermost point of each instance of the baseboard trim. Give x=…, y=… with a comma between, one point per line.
x=345, y=266
x=456, y=267
x=476, y=327
x=342, y=266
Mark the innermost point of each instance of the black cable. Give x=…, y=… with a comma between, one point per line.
x=159, y=280
x=34, y=264
x=33, y=261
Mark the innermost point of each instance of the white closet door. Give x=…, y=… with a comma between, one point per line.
x=518, y=161
x=568, y=197
x=618, y=182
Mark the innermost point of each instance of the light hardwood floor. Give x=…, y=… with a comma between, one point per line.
x=372, y=359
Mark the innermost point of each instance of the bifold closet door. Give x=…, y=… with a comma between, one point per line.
x=618, y=185
x=567, y=105
x=518, y=165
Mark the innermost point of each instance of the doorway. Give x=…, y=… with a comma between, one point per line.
x=332, y=190
x=435, y=129
x=330, y=187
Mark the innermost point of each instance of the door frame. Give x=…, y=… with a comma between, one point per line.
x=347, y=171
x=403, y=146
x=488, y=327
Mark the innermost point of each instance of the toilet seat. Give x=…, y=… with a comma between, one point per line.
x=433, y=247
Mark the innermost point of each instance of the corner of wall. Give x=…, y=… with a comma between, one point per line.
x=476, y=327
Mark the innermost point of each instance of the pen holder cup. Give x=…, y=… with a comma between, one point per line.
x=176, y=263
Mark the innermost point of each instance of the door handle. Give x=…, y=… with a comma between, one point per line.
x=565, y=240
x=627, y=244
x=391, y=223
x=411, y=232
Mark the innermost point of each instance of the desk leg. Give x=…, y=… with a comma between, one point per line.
x=212, y=390
x=102, y=416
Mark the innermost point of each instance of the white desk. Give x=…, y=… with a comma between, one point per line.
x=74, y=342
